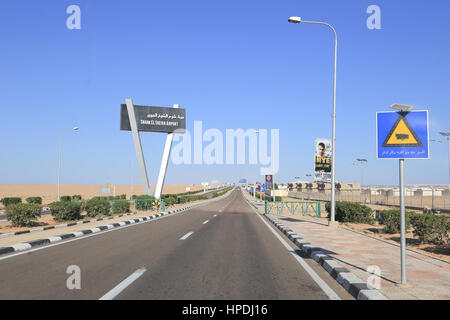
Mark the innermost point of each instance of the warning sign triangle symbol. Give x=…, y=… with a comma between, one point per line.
x=402, y=135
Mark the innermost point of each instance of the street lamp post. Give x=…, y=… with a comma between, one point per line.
x=59, y=161
x=333, y=143
x=447, y=135
x=362, y=162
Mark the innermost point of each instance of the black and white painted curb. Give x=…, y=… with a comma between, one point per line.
x=357, y=288
x=28, y=245
x=5, y=235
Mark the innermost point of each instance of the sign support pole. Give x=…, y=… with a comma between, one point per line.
x=164, y=163
x=448, y=141
x=402, y=219
x=138, y=145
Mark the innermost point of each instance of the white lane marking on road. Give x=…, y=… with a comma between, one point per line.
x=123, y=285
x=122, y=226
x=187, y=235
x=322, y=284
x=206, y=222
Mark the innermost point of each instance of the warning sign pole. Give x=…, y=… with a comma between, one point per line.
x=403, y=134
x=402, y=219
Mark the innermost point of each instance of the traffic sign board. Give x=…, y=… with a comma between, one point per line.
x=402, y=135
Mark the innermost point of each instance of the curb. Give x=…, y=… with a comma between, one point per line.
x=6, y=235
x=28, y=245
x=352, y=284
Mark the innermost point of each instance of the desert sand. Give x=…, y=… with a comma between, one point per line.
x=49, y=192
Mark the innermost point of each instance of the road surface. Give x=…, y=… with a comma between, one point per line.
x=222, y=250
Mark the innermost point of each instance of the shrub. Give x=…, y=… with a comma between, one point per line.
x=391, y=220
x=98, y=207
x=352, y=212
x=269, y=198
x=65, y=211
x=144, y=204
x=431, y=229
x=121, y=206
x=35, y=200
x=76, y=197
x=171, y=200
x=123, y=197
x=7, y=201
x=23, y=214
x=66, y=198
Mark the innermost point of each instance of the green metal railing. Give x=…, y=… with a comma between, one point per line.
x=293, y=207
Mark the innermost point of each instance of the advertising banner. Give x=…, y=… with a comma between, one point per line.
x=269, y=182
x=322, y=161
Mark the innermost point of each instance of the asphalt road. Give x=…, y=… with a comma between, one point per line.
x=222, y=250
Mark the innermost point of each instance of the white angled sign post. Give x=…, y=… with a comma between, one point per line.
x=138, y=145
x=164, y=162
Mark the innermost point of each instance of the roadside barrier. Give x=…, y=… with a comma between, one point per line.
x=311, y=208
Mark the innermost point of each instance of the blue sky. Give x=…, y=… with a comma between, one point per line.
x=232, y=64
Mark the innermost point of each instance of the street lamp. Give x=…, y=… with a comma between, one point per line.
x=447, y=135
x=333, y=143
x=362, y=162
x=59, y=159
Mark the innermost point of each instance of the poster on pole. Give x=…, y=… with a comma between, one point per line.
x=269, y=182
x=322, y=160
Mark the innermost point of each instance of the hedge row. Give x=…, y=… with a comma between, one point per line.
x=267, y=198
x=35, y=200
x=109, y=198
x=190, y=196
x=7, y=201
x=427, y=227
x=352, y=212
x=70, y=207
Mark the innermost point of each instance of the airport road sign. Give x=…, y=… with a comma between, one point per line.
x=403, y=135
x=154, y=119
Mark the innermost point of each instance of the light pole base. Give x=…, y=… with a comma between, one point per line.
x=333, y=224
